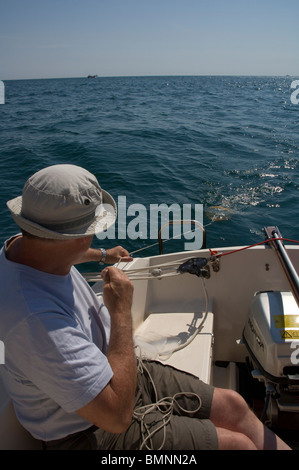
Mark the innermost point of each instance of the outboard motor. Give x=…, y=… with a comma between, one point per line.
x=271, y=336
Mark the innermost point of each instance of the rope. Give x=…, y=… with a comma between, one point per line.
x=164, y=405
x=132, y=273
x=256, y=244
x=173, y=238
x=157, y=270
x=166, y=355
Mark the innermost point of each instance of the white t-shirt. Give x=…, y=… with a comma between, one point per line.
x=55, y=333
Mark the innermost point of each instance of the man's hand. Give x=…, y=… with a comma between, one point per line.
x=116, y=254
x=117, y=291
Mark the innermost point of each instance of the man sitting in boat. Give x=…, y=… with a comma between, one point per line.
x=70, y=366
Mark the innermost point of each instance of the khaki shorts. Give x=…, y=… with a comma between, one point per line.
x=179, y=422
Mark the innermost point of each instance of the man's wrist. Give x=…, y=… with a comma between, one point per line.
x=104, y=255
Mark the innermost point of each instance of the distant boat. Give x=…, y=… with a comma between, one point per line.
x=92, y=76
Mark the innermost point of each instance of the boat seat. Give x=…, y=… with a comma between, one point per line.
x=161, y=333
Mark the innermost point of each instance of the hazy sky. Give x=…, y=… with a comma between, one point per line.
x=74, y=38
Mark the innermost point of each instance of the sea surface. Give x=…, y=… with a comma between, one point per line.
x=229, y=143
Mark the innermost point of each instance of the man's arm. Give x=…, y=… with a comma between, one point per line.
x=112, y=408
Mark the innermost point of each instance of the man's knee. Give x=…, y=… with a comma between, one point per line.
x=227, y=406
x=236, y=402
x=230, y=440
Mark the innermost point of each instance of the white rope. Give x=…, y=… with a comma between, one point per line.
x=95, y=277
x=168, y=403
x=170, y=264
x=133, y=273
x=165, y=405
x=166, y=355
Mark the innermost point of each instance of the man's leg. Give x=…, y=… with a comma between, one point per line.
x=234, y=419
x=224, y=420
x=230, y=440
x=236, y=425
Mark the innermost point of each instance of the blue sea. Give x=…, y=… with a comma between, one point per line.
x=229, y=143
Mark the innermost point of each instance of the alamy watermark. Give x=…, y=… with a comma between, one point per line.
x=138, y=222
x=295, y=94
x=295, y=354
x=2, y=353
x=2, y=92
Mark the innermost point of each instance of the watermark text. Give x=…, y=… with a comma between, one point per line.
x=295, y=354
x=138, y=222
x=2, y=92
x=295, y=94
x=2, y=353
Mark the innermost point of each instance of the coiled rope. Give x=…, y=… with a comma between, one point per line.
x=165, y=406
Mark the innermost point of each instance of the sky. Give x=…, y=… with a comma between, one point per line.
x=74, y=38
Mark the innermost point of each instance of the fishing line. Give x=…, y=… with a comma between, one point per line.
x=174, y=237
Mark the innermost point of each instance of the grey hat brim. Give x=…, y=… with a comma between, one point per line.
x=105, y=216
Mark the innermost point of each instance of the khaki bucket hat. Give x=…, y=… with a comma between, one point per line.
x=63, y=202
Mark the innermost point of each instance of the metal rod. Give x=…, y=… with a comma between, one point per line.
x=286, y=263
